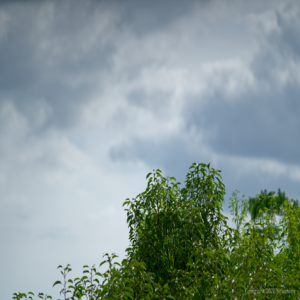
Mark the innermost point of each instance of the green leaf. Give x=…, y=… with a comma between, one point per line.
x=56, y=282
x=102, y=263
x=126, y=203
x=148, y=175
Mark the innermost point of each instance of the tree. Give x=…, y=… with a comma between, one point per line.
x=270, y=201
x=170, y=227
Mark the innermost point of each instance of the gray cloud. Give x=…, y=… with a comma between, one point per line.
x=258, y=115
x=246, y=107
x=144, y=17
x=60, y=233
x=262, y=125
x=156, y=101
x=54, y=59
x=67, y=49
x=262, y=121
x=175, y=154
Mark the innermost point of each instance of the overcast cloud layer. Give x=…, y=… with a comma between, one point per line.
x=96, y=94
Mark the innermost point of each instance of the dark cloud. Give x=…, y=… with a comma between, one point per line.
x=60, y=52
x=258, y=118
x=255, y=125
x=53, y=58
x=258, y=121
x=263, y=121
x=147, y=17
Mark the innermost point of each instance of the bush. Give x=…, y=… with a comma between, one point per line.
x=182, y=248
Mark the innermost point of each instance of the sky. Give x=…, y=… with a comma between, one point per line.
x=96, y=94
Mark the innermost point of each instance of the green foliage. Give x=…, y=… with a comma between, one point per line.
x=168, y=225
x=182, y=248
x=269, y=200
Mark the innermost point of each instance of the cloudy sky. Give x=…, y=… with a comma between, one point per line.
x=96, y=94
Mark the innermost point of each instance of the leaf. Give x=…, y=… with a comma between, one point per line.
x=126, y=203
x=56, y=282
x=147, y=176
x=102, y=263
